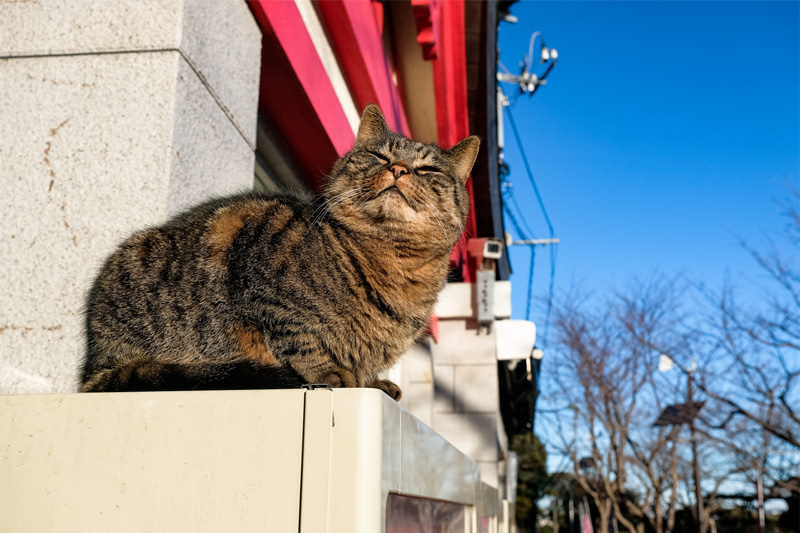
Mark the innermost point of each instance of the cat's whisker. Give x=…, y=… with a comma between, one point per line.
x=325, y=208
x=457, y=228
x=433, y=211
x=365, y=197
x=439, y=221
x=437, y=212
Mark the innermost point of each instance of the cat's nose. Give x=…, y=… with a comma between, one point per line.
x=398, y=170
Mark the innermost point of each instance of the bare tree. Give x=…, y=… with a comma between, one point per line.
x=754, y=457
x=752, y=353
x=744, y=360
x=607, y=373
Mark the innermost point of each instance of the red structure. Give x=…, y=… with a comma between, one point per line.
x=324, y=61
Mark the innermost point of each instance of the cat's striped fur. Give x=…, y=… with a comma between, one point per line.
x=273, y=291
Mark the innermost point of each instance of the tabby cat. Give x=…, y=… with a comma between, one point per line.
x=276, y=291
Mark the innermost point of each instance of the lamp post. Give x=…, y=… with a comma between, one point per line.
x=695, y=465
x=686, y=413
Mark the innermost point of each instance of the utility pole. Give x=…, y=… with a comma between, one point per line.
x=527, y=80
x=695, y=464
x=685, y=414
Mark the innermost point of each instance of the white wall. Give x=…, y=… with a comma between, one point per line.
x=115, y=115
x=452, y=385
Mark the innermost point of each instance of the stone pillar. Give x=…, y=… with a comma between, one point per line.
x=466, y=408
x=416, y=380
x=466, y=398
x=115, y=115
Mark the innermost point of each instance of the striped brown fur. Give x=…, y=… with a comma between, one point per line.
x=272, y=291
x=251, y=343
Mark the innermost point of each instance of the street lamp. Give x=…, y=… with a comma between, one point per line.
x=685, y=413
x=527, y=80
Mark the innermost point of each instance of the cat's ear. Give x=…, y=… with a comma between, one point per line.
x=372, y=127
x=462, y=156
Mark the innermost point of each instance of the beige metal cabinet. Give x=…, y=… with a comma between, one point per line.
x=341, y=461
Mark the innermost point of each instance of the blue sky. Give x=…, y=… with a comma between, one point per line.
x=667, y=131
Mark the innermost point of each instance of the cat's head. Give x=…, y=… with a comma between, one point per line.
x=394, y=185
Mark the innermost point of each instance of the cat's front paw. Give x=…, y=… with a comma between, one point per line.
x=339, y=377
x=389, y=388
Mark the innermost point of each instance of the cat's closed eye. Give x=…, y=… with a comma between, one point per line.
x=427, y=169
x=382, y=158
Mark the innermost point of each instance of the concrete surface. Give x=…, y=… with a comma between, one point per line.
x=220, y=39
x=107, y=127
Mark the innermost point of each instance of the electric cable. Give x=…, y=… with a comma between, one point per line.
x=514, y=221
x=529, y=57
x=528, y=233
x=530, y=284
x=547, y=221
x=528, y=170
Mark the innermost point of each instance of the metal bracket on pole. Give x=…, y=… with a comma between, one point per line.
x=534, y=242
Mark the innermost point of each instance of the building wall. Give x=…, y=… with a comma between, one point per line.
x=466, y=409
x=115, y=116
x=452, y=384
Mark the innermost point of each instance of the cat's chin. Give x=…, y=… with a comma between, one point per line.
x=392, y=205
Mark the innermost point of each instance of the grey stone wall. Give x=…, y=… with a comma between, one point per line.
x=115, y=115
x=452, y=385
x=466, y=408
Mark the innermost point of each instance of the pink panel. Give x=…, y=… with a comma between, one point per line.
x=356, y=36
x=285, y=22
x=452, y=114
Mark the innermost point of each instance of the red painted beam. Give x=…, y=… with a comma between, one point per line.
x=452, y=113
x=426, y=17
x=355, y=33
x=296, y=93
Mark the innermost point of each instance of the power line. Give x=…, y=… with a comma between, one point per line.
x=530, y=284
x=527, y=80
x=552, y=245
x=528, y=170
x=514, y=221
x=528, y=233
